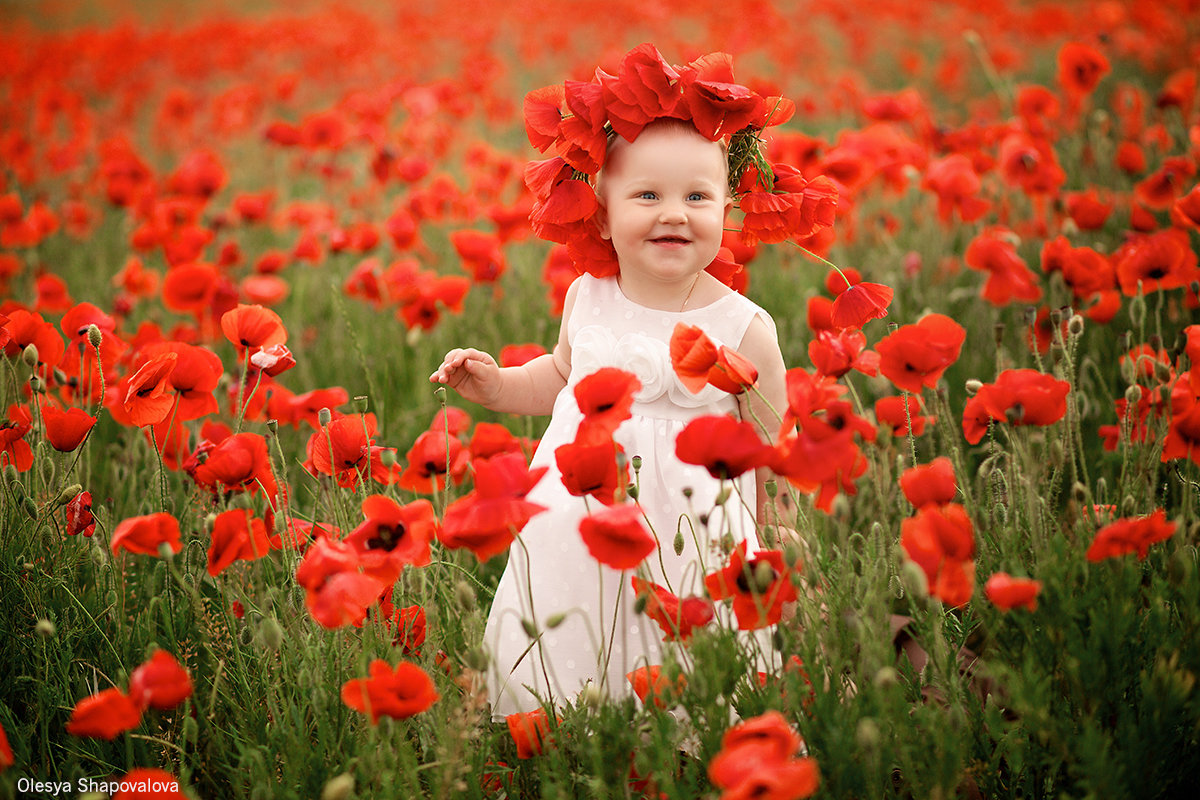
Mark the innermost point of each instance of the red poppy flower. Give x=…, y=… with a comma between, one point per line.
x=733, y=372
x=343, y=450
x=1019, y=397
x=481, y=254
x=1158, y=190
x=725, y=446
x=190, y=287
x=929, y=484
x=758, y=759
x=1008, y=276
x=651, y=686
x=859, y=304
x=14, y=449
x=79, y=515
x=1006, y=592
x=515, y=355
x=146, y=533
x=66, y=430
x=25, y=328
x=530, y=732
x=398, y=693
x=104, y=715
x=1185, y=211
x=1162, y=260
x=759, y=586
x=593, y=466
x=237, y=535
x=6, y=753
x=693, y=354
x=1080, y=68
x=677, y=618
x=804, y=209
x=336, y=593
x=820, y=458
x=146, y=400
x=160, y=682
x=617, y=537
x=392, y=536
x=433, y=456
x=237, y=463
x=253, y=327
x=955, y=182
x=1087, y=209
x=891, y=411
x=916, y=355
x=941, y=541
x=410, y=629
x=836, y=353
x=644, y=88
x=194, y=379
x=718, y=106
x=605, y=397
x=1131, y=535
x=486, y=520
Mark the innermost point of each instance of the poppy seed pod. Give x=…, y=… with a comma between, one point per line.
x=36, y=384
x=1075, y=326
x=360, y=404
x=636, y=461
x=632, y=491
x=94, y=335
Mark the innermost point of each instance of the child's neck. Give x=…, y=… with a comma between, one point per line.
x=674, y=296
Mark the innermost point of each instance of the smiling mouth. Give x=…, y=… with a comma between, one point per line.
x=671, y=240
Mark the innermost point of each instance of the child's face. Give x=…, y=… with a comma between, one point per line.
x=663, y=204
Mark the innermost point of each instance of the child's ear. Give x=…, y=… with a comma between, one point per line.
x=602, y=219
x=728, y=205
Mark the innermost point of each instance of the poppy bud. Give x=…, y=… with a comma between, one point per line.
x=61, y=378
x=530, y=628
x=1000, y=515
x=1029, y=314
x=913, y=579
x=887, y=677
x=271, y=633
x=339, y=788
x=45, y=628
x=94, y=335
x=677, y=544
x=840, y=508
x=1133, y=394
x=896, y=587
x=1075, y=326
x=1137, y=307
x=36, y=384
x=687, y=492
x=165, y=552
x=1101, y=489
x=11, y=476
x=387, y=457
x=30, y=507
x=764, y=576
x=867, y=734
x=476, y=658
x=30, y=355
x=632, y=491
x=722, y=496
x=592, y=696
x=555, y=620
x=191, y=730
x=1162, y=372
x=464, y=596
x=67, y=494
x=1128, y=506
x=639, y=605
x=360, y=404
x=1079, y=493
x=791, y=555
x=973, y=386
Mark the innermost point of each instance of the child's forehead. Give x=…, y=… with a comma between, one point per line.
x=663, y=144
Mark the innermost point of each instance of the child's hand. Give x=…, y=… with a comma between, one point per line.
x=472, y=373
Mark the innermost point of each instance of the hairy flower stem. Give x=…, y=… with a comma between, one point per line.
x=826, y=262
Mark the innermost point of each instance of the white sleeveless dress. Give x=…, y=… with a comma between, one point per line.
x=553, y=574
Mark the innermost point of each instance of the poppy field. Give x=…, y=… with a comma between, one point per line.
x=247, y=548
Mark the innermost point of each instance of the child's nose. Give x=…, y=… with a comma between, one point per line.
x=672, y=214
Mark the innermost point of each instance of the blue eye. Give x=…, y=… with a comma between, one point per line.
x=647, y=195
x=695, y=197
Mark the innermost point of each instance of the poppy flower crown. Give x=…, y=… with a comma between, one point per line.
x=577, y=119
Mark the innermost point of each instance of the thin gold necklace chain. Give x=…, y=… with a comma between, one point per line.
x=695, y=280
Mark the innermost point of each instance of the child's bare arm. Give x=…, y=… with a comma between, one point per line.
x=764, y=409
x=529, y=389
